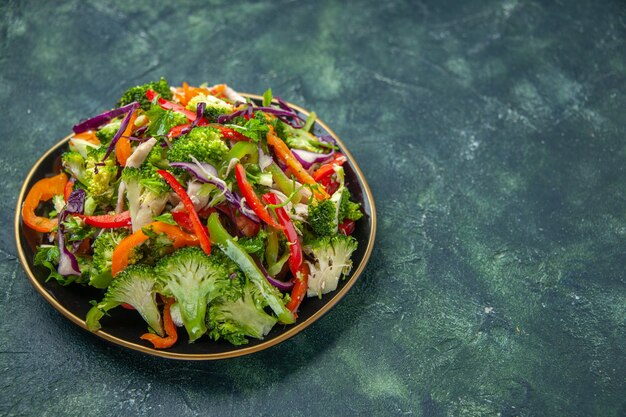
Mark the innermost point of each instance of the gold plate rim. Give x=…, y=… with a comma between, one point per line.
x=295, y=329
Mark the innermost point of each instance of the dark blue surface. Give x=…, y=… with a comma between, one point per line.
x=492, y=136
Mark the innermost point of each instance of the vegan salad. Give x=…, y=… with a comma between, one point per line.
x=197, y=208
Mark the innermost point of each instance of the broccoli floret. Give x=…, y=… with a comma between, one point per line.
x=331, y=261
x=101, y=179
x=302, y=139
x=191, y=277
x=323, y=217
x=138, y=93
x=103, y=247
x=203, y=143
x=74, y=163
x=213, y=104
x=348, y=209
x=158, y=157
x=239, y=313
x=147, y=194
x=105, y=133
x=162, y=121
x=135, y=286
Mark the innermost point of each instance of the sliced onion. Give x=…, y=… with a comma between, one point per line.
x=131, y=108
x=97, y=121
x=283, y=286
x=308, y=158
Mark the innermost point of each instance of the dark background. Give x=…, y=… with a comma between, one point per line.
x=492, y=136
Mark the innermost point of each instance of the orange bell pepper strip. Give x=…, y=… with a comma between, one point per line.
x=284, y=153
x=67, y=190
x=88, y=136
x=43, y=190
x=123, y=251
x=170, y=329
x=122, y=147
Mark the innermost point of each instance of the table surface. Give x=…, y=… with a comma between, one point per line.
x=492, y=134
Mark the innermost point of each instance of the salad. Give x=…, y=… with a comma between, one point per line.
x=199, y=209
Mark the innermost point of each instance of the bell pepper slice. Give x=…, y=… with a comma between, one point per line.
x=284, y=154
x=168, y=105
x=328, y=169
x=43, y=190
x=298, y=292
x=67, y=190
x=109, y=221
x=347, y=227
x=88, y=136
x=231, y=134
x=123, y=251
x=251, y=198
x=295, y=247
x=170, y=329
x=198, y=228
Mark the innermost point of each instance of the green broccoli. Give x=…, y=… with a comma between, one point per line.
x=135, y=286
x=158, y=156
x=105, y=133
x=98, y=178
x=138, y=93
x=74, y=163
x=239, y=313
x=103, y=247
x=323, y=217
x=331, y=261
x=348, y=209
x=191, y=277
x=102, y=176
x=214, y=106
x=203, y=143
x=147, y=194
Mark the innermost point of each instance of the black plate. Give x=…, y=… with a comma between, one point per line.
x=124, y=327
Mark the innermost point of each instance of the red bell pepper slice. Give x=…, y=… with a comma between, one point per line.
x=108, y=221
x=328, y=169
x=295, y=247
x=198, y=228
x=347, y=227
x=232, y=134
x=299, y=289
x=183, y=220
x=168, y=105
x=251, y=198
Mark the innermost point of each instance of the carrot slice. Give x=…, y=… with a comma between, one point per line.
x=43, y=190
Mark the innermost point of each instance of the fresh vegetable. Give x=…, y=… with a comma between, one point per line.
x=199, y=230
x=43, y=190
x=197, y=208
x=239, y=256
x=295, y=248
x=136, y=287
x=192, y=278
x=331, y=261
